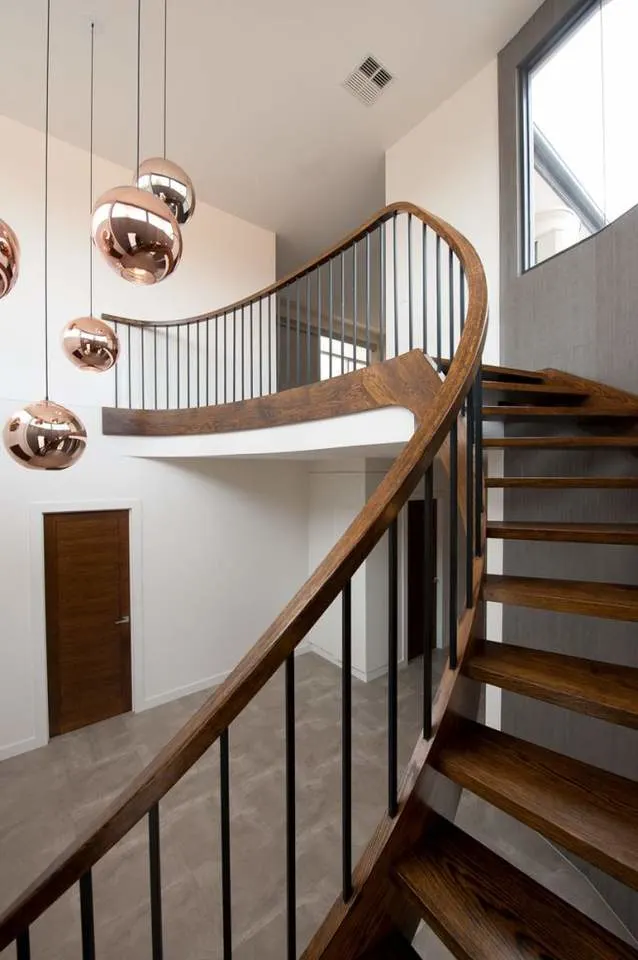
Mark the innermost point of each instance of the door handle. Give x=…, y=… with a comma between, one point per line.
x=123, y=620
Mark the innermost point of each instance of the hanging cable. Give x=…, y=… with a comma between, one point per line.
x=139, y=79
x=165, y=66
x=91, y=167
x=46, y=206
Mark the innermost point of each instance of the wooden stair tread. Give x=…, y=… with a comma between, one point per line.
x=618, y=533
x=564, y=443
x=502, y=374
x=605, y=690
x=551, y=388
x=483, y=908
x=535, y=411
x=559, y=483
x=615, y=601
x=589, y=811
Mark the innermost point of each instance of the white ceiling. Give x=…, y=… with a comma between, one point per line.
x=256, y=111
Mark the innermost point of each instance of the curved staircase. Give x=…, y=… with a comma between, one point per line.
x=419, y=865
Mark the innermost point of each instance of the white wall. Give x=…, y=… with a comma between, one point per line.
x=206, y=536
x=449, y=164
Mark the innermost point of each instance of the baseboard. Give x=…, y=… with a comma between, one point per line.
x=198, y=685
x=20, y=746
x=366, y=676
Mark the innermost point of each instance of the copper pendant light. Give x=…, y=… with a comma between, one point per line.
x=162, y=177
x=9, y=259
x=134, y=230
x=90, y=343
x=45, y=435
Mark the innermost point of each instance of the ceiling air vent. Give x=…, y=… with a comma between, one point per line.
x=367, y=82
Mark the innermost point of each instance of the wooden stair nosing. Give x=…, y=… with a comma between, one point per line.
x=618, y=442
x=551, y=389
x=587, y=810
x=611, y=533
x=538, y=411
x=608, y=691
x=567, y=483
x=613, y=601
x=483, y=908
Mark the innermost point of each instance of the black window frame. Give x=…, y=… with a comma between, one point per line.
x=554, y=170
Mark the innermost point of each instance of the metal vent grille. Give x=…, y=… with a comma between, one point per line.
x=368, y=81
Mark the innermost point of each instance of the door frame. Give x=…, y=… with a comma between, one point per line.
x=37, y=604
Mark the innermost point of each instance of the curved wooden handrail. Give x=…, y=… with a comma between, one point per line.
x=439, y=408
x=386, y=213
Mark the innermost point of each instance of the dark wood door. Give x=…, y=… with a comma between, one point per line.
x=86, y=557
x=419, y=617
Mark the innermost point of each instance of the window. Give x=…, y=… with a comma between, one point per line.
x=580, y=157
x=340, y=356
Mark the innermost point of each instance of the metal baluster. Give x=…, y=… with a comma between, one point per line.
x=478, y=462
x=368, y=351
x=207, y=361
x=243, y=348
x=142, y=366
x=343, y=311
x=429, y=597
x=261, y=348
x=251, y=371
x=155, y=361
x=178, y=337
x=188, y=365
x=346, y=740
x=424, y=244
x=410, y=318
x=216, y=358
x=288, y=334
x=469, y=502
x=86, y=916
x=355, y=303
x=308, y=327
x=224, y=763
x=453, y=544
x=396, y=288
x=438, y=302
x=235, y=328
x=298, y=347
x=393, y=656
x=291, y=864
x=451, y=300
x=197, y=347
x=311, y=377
x=130, y=378
x=225, y=356
x=23, y=945
x=269, y=345
x=330, y=318
x=462, y=293
x=168, y=330
x=382, y=305
x=157, y=945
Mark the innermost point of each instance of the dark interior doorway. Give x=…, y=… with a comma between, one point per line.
x=419, y=617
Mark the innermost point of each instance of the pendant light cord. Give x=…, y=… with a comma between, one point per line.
x=91, y=167
x=139, y=78
x=46, y=206
x=165, y=66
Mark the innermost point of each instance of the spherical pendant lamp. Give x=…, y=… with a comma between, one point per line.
x=90, y=344
x=171, y=184
x=9, y=259
x=137, y=235
x=44, y=435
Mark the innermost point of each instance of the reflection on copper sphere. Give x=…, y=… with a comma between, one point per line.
x=9, y=259
x=170, y=183
x=90, y=344
x=44, y=436
x=137, y=234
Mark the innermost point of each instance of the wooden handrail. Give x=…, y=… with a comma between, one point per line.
x=436, y=405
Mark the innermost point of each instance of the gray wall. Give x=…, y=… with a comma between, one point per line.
x=577, y=312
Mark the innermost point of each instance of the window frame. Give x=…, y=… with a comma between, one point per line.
x=560, y=174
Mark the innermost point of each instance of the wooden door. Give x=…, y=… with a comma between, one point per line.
x=86, y=558
x=418, y=615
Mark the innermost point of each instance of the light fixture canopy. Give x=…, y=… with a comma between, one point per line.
x=44, y=436
x=9, y=259
x=171, y=184
x=90, y=344
x=137, y=234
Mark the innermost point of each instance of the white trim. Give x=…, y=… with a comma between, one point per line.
x=366, y=676
x=20, y=746
x=37, y=625
x=195, y=687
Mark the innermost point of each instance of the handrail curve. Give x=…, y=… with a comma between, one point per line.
x=441, y=406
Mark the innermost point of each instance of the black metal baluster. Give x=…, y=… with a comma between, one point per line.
x=167, y=338
x=269, y=345
x=438, y=303
x=197, y=347
x=310, y=377
x=451, y=300
x=261, y=347
x=188, y=365
x=396, y=288
x=23, y=945
x=393, y=656
x=155, y=362
x=343, y=312
x=298, y=349
x=207, y=361
x=288, y=333
x=291, y=863
x=368, y=358
x=410, y=317
x=469, y=502
x=224, y=764
x=382, y=305
x=453, y=545
x=355, y=305
x=178, y=332
x=478, y=462
x=86, y=916
x=225, y=357
x=115, y=371
x=130, y=378
x=142, y=365
x=216, y=356
x=346, y=740
x=308, y=327
x=243, y=349
x=251, y=372
x=157, y=944
x=424, y=243
x=462, y=294
x=330, y=319
x=429, y=598
x=235, y=328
